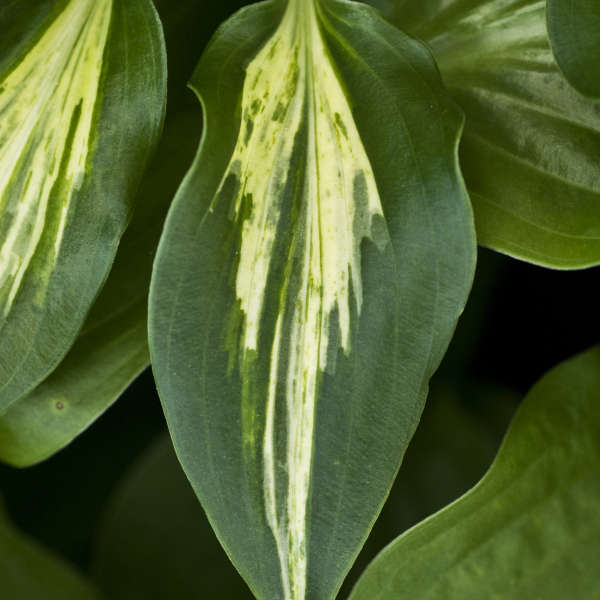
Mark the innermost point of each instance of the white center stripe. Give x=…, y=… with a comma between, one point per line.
x=291, y=86
x=46, y=111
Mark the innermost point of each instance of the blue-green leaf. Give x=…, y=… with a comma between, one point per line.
x=112, y=348
x=531, y=527
x=82, y=94
x=311, y=272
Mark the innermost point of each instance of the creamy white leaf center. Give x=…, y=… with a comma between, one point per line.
x=47, y=106
x=293, y=101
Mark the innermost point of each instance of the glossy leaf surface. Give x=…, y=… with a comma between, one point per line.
x=28, y=571
x=82, y=93
x=531, y=143
x=530, y=527
x=311, y=272
x=574, y=28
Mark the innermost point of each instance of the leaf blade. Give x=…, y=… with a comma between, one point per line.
x=205, y=346
x=111, y=350
x=530, y=147
x=574, y=30
x=71, y=119
x=525, y=528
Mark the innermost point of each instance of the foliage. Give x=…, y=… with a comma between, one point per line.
x=529, y=152
x=309, y=370
x=296, y=284
x=535, y=508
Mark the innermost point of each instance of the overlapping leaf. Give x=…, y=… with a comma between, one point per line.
x=531, y=144
x=530, y=528
x=311, y=272
x=112, y=347
x=453, y=447
x=82, y=92
x=574, y=28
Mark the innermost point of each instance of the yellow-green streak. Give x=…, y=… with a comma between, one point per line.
x=47, y=106
x=292, y=86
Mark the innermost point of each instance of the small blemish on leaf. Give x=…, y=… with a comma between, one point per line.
x=340, y=125
x=59, y=405
x=249, y=129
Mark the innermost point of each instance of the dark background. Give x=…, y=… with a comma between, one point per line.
x=520, y=321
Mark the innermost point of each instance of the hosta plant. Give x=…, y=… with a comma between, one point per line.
x=292, y=250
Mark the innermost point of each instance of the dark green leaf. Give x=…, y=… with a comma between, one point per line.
x=82, y=93
x=531, y=143
x=112, y=348
x=29, y=572
x=531, y=527
x=574, y=28
x=155, y=542
x=311, y=272
x=98, y=368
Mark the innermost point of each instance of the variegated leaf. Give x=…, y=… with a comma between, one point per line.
x=112, y=346
x=312, y=269
x=531, y=144
x=82, y=92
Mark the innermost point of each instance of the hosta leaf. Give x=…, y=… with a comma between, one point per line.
x=452, y=448
x=101, y=364
x=530, y=528
x=574, y=28
x=531, y=143
x=112, y=347
x=28, y=571
x=311, y=272
x=82, y=91
x=157, y=545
